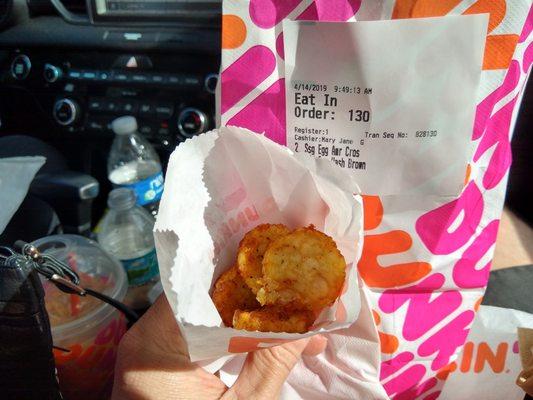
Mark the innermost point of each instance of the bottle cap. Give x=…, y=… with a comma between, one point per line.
x=124, y=125
x=121, y=199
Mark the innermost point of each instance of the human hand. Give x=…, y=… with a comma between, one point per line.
x=153, y=363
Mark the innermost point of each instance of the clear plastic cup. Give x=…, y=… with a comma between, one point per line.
x=89, y=329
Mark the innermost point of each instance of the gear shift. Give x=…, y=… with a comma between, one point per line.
x=69, y=193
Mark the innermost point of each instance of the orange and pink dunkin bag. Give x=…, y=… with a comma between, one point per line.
x=411, y=101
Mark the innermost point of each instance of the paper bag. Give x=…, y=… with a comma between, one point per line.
x=489, y=363
x=16, y=174
x=426, y=257
x=219, y=186
x=348, y=369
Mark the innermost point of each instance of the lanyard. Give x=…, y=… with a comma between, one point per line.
x=64, y=277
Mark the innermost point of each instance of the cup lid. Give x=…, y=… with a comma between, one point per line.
x=124, y=125
x=97, y=269
x=121, y=199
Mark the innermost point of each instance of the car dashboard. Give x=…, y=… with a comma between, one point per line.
x=65, y=75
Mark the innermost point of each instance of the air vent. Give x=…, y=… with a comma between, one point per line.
x=6, y=7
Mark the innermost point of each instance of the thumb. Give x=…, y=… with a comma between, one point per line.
x=265, y=371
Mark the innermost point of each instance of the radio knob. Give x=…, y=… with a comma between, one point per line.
x=66, y=111
x=191, y=121
x=210, y=83
x=20, y=67
x=52, y=73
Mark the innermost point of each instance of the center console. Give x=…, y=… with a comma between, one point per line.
x=69, y=67
x=172, y=96
x=150, y=10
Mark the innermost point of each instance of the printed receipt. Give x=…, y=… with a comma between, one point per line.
x=393, y=101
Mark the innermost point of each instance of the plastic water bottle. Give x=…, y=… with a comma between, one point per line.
x=133, y=163
x=126, y=232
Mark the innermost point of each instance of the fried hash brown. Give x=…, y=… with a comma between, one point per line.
x=274, y=319
x=230, y=294
x=251, y=251
x=304, y=268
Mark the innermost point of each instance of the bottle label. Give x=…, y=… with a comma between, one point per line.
x=142, y=269
x=148, y=190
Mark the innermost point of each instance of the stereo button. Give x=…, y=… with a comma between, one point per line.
x=121, y=77
x=191, y=81
x=140, y=78
x=96, y=105
x=191, y=122
x=74, y=74
x=103, y=76
x=146, y=109
x=20, y=67
x=174, y=80
x=111, y=106
x=97, y=125
x=164, y=111
x=163, y=131
x=157, y=79
x=88, y=75
x=210, y=83
x=129, y=107
x=52, y=73
x=66, y=112
x=147, y=130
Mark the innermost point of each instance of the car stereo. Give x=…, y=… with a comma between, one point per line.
x=145, y=10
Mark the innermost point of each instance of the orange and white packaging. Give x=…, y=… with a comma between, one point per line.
x=423, y=115
x=490, y=361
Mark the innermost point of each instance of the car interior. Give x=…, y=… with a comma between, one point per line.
x=68, y=68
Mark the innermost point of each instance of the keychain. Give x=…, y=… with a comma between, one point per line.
x=27, y=367
x=66, y=279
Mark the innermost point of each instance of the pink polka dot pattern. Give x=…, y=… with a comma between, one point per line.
x=265, y=114
x=268, y=13
x=330, y=10
x=241, y=77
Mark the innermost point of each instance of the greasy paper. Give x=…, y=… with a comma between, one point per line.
x=219, y=186
x=381, y=99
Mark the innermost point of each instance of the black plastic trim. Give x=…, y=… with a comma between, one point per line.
x=189, y=18
x=5, y=19
x=77, y=19
x=53, y=31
